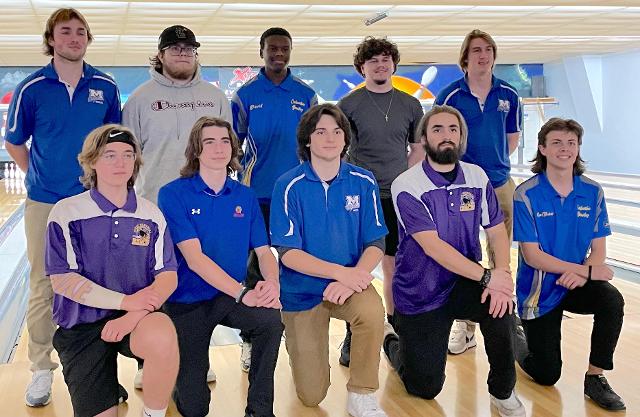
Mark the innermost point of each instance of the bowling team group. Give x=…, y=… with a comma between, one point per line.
x=141, y=241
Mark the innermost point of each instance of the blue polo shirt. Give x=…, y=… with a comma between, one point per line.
x=266, y=116
x=424, y=200
x=43, y=109
x=333, y=222
x=487, y=145
x=562, y=227
x=227, y=224
x=119, y=249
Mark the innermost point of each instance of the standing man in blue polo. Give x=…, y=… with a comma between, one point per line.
x=491, y=109
x=56, y=106
x=441, y=204
x=561, y=224
x=266, y=111
x=328, y=226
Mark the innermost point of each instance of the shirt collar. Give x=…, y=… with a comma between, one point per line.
x=200, y=186
x=286, y=84
x=310, y=174
x=464, y=85
x=579, y=189
x=50, y=71
x=437, y=179
x=107, y=206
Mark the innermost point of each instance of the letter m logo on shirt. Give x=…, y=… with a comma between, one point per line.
x=352, y=202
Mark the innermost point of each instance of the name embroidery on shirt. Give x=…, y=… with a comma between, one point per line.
x=297, y=105
x=96, y=96
x=544, y=214
x=141, y=235
x=256, y=106
x=238, y=212
x=504, y=106
x=583, y=214
x=352, y=202
x=467, y=201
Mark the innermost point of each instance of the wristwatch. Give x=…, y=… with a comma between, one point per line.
x=486, y=277
x=242, y=293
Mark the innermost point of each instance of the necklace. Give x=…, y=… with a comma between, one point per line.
x=385, y=114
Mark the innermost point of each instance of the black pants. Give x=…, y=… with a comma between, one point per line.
x=600, y=298
x=195, y=323
x=253, y=268
x=419, y=355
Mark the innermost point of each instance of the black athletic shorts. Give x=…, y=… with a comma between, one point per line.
x=89, y=366
x=391, y=220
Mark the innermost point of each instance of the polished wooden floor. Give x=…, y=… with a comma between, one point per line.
x=464, y=394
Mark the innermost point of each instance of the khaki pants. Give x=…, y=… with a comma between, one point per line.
x=505, y=199
x=307, y=342
x=40, y=323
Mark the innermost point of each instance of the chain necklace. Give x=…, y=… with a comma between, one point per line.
x=385, y=114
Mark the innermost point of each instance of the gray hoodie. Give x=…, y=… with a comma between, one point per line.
x=161, y=113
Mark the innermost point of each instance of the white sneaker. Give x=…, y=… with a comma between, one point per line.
x=38, y=392
x=511, y=407
x=211, y=376
x=364, y=405
x=462, y=337
x=245, y=356
x=388, y=330
x=137, y=381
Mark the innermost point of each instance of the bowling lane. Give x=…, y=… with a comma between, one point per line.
x=12, y=191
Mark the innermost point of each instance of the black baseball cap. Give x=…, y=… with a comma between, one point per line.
x=176, y=34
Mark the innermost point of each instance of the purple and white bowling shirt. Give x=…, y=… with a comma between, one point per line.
x=119, y=249
x=424, y=200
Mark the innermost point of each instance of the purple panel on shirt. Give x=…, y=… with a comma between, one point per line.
x=420, y=284
x=119, y=256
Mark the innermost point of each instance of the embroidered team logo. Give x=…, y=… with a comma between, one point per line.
x=504, y=105
x=195, y=211
x=238, y=212
x=180, y=32
x=96, y=96
x=352, y=202
x=141, y=235
x=467, y=201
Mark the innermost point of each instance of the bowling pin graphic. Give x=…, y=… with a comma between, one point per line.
x=427, y=78
x=6, y=170
x=12, y=172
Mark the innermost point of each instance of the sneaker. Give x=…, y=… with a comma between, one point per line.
x=38, y=392
x=364, y=405
x=245, y=356
x=345, y=349
x=211, y=376
x=389, y=331
x=511, y=407
x=462, y=337
x=123, y=395
x=137, y=380
x=598, y=389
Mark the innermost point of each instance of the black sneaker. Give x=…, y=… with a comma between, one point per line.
x=598, y=389
x=345, y=350
x=123, y=395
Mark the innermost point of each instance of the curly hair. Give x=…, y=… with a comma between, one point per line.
x=371, y=47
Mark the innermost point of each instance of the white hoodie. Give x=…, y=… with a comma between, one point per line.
x=161, y=113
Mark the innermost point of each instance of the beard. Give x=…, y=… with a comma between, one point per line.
x=445, y=156
x=180, y=74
